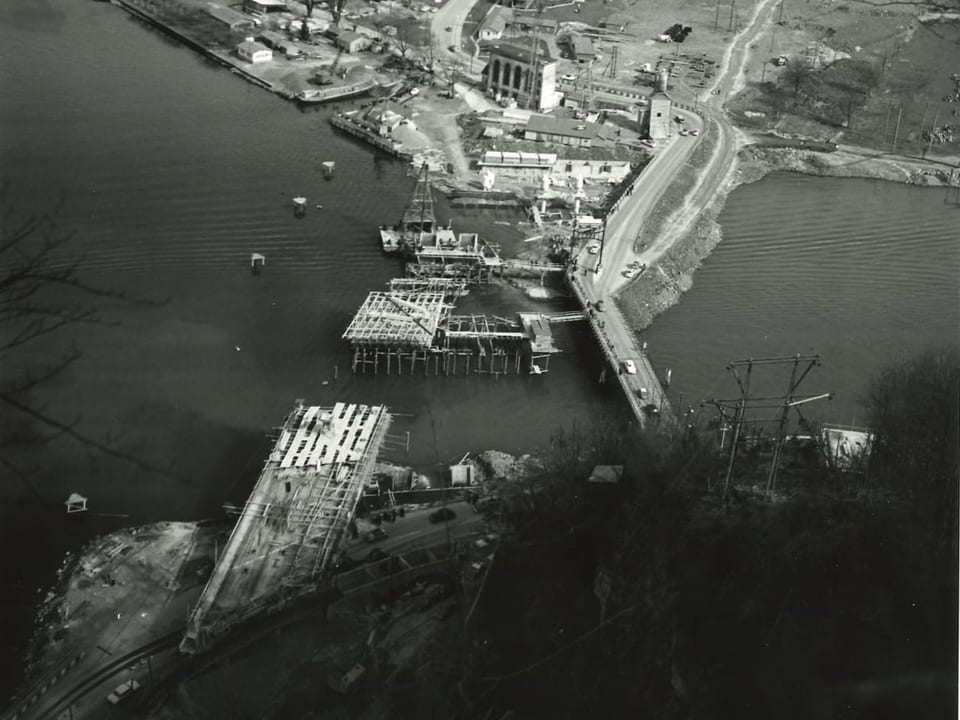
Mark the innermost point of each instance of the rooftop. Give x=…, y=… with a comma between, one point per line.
x=566, y=127
x=521, y=54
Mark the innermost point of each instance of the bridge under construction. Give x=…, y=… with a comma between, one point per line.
x=294, y=519
x=411, y=325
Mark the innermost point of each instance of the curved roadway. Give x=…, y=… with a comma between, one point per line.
x=624, y=225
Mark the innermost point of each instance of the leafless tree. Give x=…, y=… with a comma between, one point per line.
x=796, y=74
x=42, y=294
x=403, y=38
x=336, y=9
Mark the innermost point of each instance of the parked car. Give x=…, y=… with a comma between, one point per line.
x=376, y=535
x=593, y=248
x=629, y=367
x=680, y=119
x=568, y=78
x=442, y=515
x=631, y=273
x=684, y=132
x=123, y=691
x=694, y=132
x=648, y=143
x=634, y=264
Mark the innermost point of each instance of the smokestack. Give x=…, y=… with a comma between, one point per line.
x=662, y=80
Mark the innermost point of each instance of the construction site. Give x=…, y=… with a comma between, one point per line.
x=411, y=326
x=294, y=519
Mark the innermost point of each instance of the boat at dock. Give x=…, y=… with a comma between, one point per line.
x=335, y=92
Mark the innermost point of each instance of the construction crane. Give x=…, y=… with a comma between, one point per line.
x=325, y=76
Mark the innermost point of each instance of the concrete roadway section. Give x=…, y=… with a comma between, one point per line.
x=624, y=225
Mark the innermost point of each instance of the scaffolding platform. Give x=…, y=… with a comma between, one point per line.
x=294, y=519
x=400, y=318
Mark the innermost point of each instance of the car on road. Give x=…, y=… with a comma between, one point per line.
x=684, y=132
x=448, y=28
x=123, y=691
x=694, y=132
x=593, y=248
x=629, y=367
x=452, y=48
x=442, y=515
x=680, y=119
x=642, y=392
x=376, y=535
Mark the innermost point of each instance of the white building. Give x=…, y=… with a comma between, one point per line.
x=253, y=52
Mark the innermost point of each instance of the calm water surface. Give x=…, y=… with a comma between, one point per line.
x=171, y=172
x=858, y=271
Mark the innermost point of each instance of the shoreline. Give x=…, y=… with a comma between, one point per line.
x=673, y=274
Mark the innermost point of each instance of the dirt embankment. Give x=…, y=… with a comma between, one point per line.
x=661, y=287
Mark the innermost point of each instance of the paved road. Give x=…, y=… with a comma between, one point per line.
x=624, y=225
x=452, y=15
x=415, y=530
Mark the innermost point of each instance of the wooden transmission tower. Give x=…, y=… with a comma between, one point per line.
x=733, y=412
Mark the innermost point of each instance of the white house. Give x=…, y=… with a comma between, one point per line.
x=253, y=52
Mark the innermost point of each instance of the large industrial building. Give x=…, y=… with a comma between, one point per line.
x=526, y=75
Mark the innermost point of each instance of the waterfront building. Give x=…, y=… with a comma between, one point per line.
x=253, y=52
x=522, y=75
x=230, y=17
x=563, y=131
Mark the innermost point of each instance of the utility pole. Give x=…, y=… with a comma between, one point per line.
x=733, y=5
x=886, y=124
x=533, y=76
x=763, y=71
x=716, y=19
x=896, y=132
x=936, y=119
x=745, y=402
x=780, y=19
x=923, y=119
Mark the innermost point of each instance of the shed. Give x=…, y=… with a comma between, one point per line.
x=230, y=17
x=266, y=6
x=461, y=475
x=352, y=42
x=581, y=48
x=271, y=38
x=253, y=52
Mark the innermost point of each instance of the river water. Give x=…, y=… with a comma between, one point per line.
x=171, y=172
x=857, y=271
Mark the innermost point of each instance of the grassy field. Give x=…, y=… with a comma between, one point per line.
x=876, y=65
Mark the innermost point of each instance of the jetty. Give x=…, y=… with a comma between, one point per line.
x=294, y=519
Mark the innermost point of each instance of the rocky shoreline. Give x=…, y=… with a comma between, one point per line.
x=661, y=288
